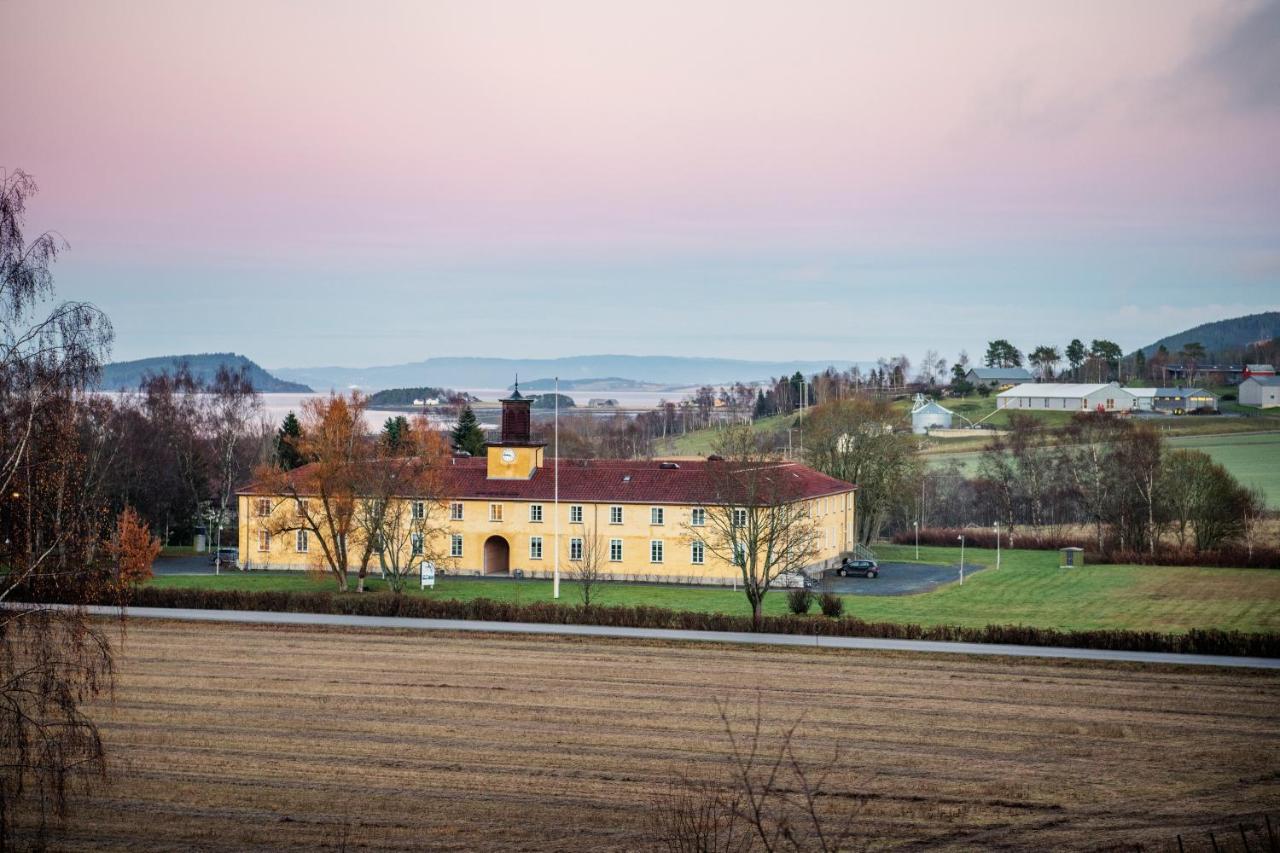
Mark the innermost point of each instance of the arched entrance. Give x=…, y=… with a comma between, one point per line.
x=497, y=556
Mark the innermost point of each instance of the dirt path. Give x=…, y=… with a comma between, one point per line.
x=227, y=737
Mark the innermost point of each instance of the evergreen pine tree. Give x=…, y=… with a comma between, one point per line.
x=395, y=431
x=287, y=455
x=467, y=434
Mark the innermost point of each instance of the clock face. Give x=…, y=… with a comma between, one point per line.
x=508, y=456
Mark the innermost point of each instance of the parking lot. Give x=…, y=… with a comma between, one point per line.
x=898, y=579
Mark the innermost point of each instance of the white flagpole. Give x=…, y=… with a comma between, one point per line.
x=555, y=578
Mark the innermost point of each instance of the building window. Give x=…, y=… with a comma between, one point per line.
x=656, y=515
x=739, y=518
x=575, y=513
x=615, y=550
x=615, y=515
x=575, y=549
x=535, y=548
x=698, y=517
x=300, y=542
x=535, y=513
x=264, y=540
x=264, y=507
x=698, y=552
x=739, y=554
x=495, y=512
x=416, y=543
x=655, y=551
x=455, y=511
x=455, y=546
x=419, y=510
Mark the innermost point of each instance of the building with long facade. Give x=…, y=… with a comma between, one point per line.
x=498, y=514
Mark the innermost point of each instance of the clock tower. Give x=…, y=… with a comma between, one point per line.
x=515, y=456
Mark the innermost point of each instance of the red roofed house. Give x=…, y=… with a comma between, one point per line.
x=644, y=516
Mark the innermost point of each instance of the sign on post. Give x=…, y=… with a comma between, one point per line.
x=428, y=574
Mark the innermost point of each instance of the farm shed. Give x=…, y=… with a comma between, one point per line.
x=997, y=377
x=1066, y=397
x=1261, y=391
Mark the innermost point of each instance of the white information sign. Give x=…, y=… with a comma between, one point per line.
x=428, y=574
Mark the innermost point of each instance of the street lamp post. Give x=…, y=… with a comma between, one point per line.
x=961, y=538
x=997, y=544
x=916, y=525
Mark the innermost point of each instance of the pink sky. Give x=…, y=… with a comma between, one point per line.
x=437, y=142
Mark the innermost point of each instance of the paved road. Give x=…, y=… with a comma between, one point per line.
x=245, y=616
x=899, y=579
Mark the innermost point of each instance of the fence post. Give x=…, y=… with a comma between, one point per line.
x=1214, y=842
x=1181, y=849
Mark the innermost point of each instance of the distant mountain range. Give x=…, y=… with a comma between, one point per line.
x=660, y=370
x=128, y=375
x=1223, y=336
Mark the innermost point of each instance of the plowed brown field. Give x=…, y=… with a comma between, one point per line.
x=235, y=737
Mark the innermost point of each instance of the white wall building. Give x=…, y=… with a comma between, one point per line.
x=1062, y=397
x=1261, y=391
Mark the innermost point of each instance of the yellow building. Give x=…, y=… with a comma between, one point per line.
x=499, y=515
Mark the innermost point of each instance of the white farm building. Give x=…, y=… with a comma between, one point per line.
x=1063, y=397
x=1261, y=391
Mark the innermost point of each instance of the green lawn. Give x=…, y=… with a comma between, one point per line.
x=702, y=442
x=1027, y=589
x=1254, y=458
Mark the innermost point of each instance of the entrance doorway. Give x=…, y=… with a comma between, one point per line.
x=497, y=556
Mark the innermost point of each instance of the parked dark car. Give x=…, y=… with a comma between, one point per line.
x=228, y=555
x=859, y=568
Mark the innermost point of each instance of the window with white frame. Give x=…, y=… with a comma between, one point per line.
x=535, y=513
x=416, y=543
x=300, y=542
x=495, y=512
x=419, y=510
x=655, y=550
x=455, y=511
x=264, y=507
x=698, y=517
x=739, y=554
x=264, y=540
x=535, y=547
x=575, y=513
x=455, y=546
x=575, y=549
x=615, y=550
x=697, y=552
x=739, y=518
x=615, y=515
x=656, y=515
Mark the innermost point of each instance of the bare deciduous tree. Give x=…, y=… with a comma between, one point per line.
x=587, y=569
x=767, y=797
x=757, y=519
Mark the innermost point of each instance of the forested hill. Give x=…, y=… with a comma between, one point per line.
x=406, y=396
x=1224, y=336
x=126, y=375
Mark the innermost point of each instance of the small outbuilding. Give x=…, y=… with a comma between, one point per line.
x=927, y=415
x=1262, y=391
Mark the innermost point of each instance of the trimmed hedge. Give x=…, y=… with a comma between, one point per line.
x=1210, y=642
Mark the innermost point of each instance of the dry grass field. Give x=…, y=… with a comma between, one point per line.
x=231, y=737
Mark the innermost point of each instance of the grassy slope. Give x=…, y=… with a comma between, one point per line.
x=1252, y=458
x=702, y=442
x=1027, y=589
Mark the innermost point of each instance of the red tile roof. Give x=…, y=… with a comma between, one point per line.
x=617, y=481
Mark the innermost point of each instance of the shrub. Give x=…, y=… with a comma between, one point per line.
x=832, y=605
x=799, y=601
x=984, y=537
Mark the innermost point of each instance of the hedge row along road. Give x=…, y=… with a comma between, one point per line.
x=349, y=621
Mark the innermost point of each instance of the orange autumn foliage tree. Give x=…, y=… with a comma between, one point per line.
x=133, y=548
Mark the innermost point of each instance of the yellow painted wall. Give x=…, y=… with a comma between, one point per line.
x=833, y=517
x=521, y=467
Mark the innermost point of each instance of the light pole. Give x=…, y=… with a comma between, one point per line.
x=997, y=544
x=916, y=525
x=961, y=538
